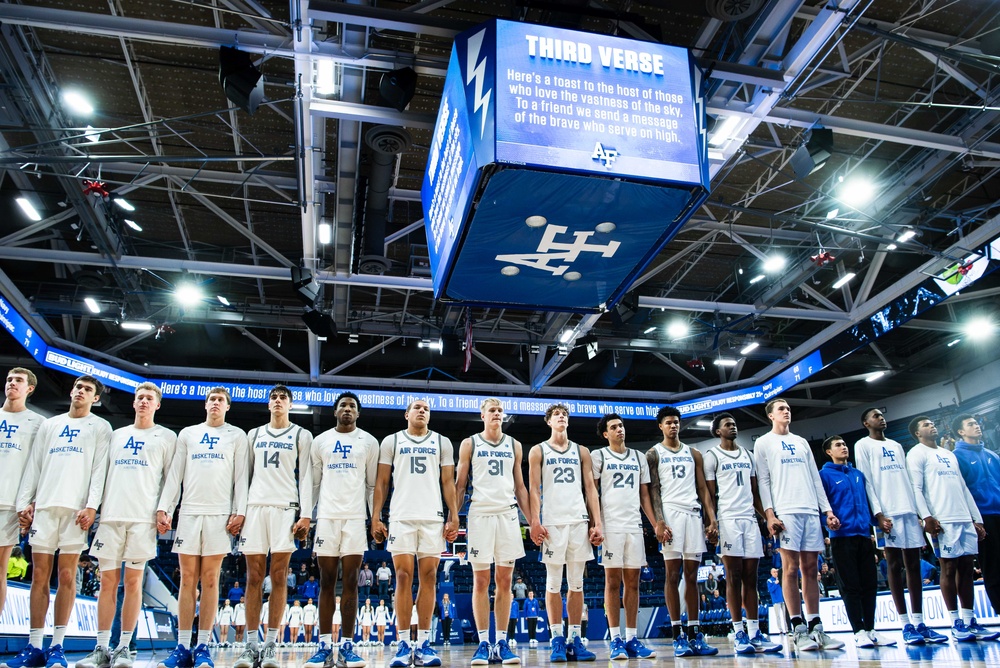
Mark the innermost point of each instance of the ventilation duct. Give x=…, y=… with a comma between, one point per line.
x=386, y=142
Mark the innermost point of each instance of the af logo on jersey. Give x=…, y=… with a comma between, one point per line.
x=211, y=440
x=343, y=449
x=69, y=434
x=8, y=429
x=135, y=445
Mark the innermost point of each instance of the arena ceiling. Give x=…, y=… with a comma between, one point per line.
x=230, y=201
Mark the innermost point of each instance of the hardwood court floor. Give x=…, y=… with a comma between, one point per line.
x=937, y=656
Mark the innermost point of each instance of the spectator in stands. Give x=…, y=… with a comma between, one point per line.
x=515, y=612
x=928, y=573
x=531, y=614
x=718, y=603
x=17, y=567
x=303, y=574
x=447, y=610
x=236, y=593
x=646, y=579
x=291, y=582
x=309, y=588
x=384, y=577
x=365, y=579
x=710, y=584
x=827, y=577
x=520, y=590
x=704, y=605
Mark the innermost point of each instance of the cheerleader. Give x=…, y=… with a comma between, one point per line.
x=225, y=618
x=240, y=619
x=264, y=610
x=284, y=624
x=294, y=622
x=309, y=619
x=366, y=617
x=335, y=625
x=381, y=620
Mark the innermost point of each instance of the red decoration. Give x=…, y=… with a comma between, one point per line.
x=822, y=258
x=696, y=364
x=965, y=269
x=97, y=189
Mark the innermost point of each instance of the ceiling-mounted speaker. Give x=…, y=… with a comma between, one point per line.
x=319, y=323
x=811, y=156
x=306, y=289
x=242, y=82
x=398, y=87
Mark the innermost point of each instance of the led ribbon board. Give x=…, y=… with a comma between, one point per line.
x=561, y=163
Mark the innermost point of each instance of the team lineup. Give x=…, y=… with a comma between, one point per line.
x=275, y=484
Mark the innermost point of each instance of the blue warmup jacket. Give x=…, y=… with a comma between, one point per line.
x=845, y=488
x=981, y=469
x=531, y=607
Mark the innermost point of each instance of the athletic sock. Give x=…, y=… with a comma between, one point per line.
x=738, y=626
x=35, y=637
x=325, y=639
x=964, y=613
x=184, y=639
x=272, y=635
x=574, y=631
x=954, y=615
x=484, y=636
x=629, y=634
x=694, y=630
x=58, y=635
x=813, y=620
x=424, y=635
x=616, y=633
x=677, y=628
x=125, y=639
x=104, y=638
x=501, y=635
x=753, y=626
x=796, y=622
x=916, y=618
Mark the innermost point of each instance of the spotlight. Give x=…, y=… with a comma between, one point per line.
x=92, y=304
x=722, y=361
x=188, y=294
x=241, y=80
x=124, y=204
x=749, y=348
x=78, y=103
x=134, y=225
x=980, y=328
x=707, y=424
x=397, y=87
x=28, y=208
x=856, y=191
x=677, y=330
x=906, y=235
x=871, y=378
x=891, y=247
x=306, y=289
x=843, y=280
x=649, y=330
x=774, y=264
x=325, y=81
x=319, y=323
x=433, y=345
x=757, y=279
x=723, y=133
x=566, y=336
x=954, y=342
x=92, y=134
x=137, y=326
x=222, y=300
x=325, y=233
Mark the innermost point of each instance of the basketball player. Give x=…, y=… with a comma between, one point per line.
x=493, y=462
x=623, y=476
x=793, y=498
x=345, y=466
x=951, y=516
x=421, y=464
x=210, y=465
x=18, y=426
x=571, y=513
x=61, y=489
x=279, y=508
x=882, y=461
x=679, y=495
x=729, y=472
x=140, y=456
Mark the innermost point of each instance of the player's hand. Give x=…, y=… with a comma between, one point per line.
x=25, y=518
x=235, y=525
x=538, y=533
x=451, y=530
x=980, y=530
x=301, y=528
x=832, y=523
x=596, y=535
x=712, y=532
x=663, y=532
x=884, y=523
x=163, y=522
x=85, y=518
x=774, y=525
x=379, y=532
x=932, y=526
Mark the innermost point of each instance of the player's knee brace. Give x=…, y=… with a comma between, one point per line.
x=553, y=578
x=574, y=575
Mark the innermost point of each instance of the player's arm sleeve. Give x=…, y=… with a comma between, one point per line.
x=172, y=486
x=447, y=452
x=763, y=476
x=99, y=468
x=32, y=468
x=824, y=502
x=305, y=474
x=241, y=475
x=915, y=465
x=316, y=462
x=170, y=439
x=597, y=463
x=371, y=473
x=387, y=451
x=709, y=464
x=643, y=470
x=864, y=464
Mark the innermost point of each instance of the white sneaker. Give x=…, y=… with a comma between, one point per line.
x=881, y=640
x=823, y=640
x=802, y=640
x=863, y=641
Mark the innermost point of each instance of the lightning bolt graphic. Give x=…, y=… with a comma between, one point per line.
x=477, y=72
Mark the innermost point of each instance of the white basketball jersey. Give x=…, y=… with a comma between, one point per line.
x=939, y=485
x=138, y=465
x=887, y=482
x=280, y=471
x=620, y=476
x=492, y=476
x=731, y=471
x=345, y=467
x=211, y=464
x=416, y=474
x=17, y=431
x=678, y=488
x=563, y=501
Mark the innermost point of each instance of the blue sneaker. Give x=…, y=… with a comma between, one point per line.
x=961, y=632
x=682, y=647
x=702, y=648
x=575, y=651
x=764, y=645
x=403, y=656
x=911, y=636
x=424, y=655
x=317, y=660
x=981, y=632
x=931, y=637
x=179, y=658
x=482, y=655
x=347, y=658
x=54, y=656
x=201, y=657
x=29, y=657
x=558, y=654
x=506, y=655
x=618, y=651
x=741, y=643
x=636, y=650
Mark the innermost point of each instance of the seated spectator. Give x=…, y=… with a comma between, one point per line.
x=235, y=594
x=17, y=567
x=309, y=588
x=718, y=602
